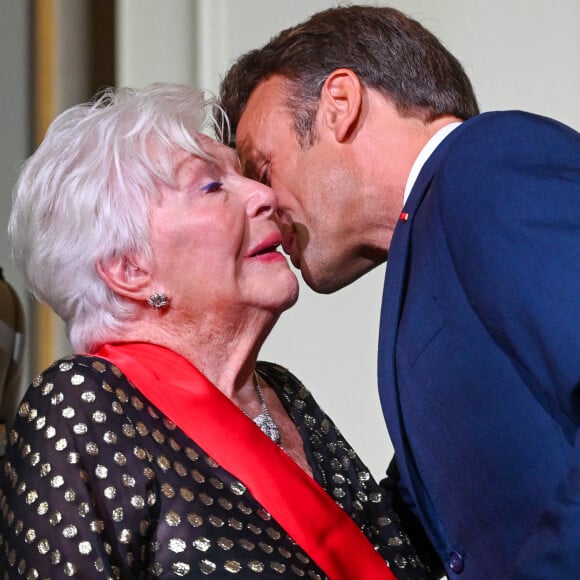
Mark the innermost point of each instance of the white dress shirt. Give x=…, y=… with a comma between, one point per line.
x=425, y=153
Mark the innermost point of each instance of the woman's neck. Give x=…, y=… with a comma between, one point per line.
x=224, y=350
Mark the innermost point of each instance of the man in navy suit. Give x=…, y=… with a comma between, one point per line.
x=368, y=131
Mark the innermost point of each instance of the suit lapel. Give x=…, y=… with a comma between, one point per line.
x=393, y=294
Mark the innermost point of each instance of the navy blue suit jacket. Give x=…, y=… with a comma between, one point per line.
x=479, y=354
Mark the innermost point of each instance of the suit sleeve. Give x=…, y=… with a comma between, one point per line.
x=514, y=237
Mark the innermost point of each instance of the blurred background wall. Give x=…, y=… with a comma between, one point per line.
x=521, y=54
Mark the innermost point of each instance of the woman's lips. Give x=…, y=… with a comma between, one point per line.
x=267, y=248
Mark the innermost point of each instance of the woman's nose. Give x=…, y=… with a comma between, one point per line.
x=261, y=199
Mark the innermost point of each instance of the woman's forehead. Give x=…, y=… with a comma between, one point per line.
x=219, y=153
x=218, y=158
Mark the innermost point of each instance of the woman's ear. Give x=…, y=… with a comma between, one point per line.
x=129, y=277
x=341, y=102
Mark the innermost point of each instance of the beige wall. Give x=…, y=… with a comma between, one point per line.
x=62, y=81
x=519, y=54
x=15, y=136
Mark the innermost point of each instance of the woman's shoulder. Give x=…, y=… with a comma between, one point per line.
x=283, y=381
x=278, y=372
x=71, y=382
x=79, y=369
x=78, y=364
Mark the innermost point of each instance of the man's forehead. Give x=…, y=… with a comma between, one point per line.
x=268, y=103
x=274, y=89
x=266, y=113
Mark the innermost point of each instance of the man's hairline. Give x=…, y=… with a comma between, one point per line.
x=307, y=140
x=304, y=141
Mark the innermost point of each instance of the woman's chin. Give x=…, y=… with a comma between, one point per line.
x=290, y=296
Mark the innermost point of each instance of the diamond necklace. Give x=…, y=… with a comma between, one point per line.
x=264, y=420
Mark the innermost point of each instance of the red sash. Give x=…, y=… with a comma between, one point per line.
x=319, y=526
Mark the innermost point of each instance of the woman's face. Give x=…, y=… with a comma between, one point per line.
x=215, y=240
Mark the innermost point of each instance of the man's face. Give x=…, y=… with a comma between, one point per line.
x=316, y=191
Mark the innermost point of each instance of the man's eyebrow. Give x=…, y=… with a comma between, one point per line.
x=249, y=166
x=253, y=156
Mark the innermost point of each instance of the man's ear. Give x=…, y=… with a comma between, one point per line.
x=128, y=277
x=341, y=102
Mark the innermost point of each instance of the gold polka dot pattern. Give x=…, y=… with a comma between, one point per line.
x=98, y=484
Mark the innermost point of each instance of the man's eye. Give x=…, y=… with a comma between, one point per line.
x=264, y=178
x=212, y=187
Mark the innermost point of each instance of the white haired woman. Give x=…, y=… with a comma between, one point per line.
x=162, y=448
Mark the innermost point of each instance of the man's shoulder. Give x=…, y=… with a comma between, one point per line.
x=495, y=141
x=506, y=122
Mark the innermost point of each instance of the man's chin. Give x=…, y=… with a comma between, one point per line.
x=326, y=281
x=320, y=284
x=320, y=277
x=295, y=259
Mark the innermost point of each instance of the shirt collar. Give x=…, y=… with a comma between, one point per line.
x=425, y=153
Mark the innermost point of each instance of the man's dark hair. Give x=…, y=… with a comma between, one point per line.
x=387, y=50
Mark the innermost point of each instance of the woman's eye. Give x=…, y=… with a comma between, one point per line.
x=212, y=187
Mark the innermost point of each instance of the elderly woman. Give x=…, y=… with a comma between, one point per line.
x=162, y=449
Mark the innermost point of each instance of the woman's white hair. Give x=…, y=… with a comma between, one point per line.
x=84, y=197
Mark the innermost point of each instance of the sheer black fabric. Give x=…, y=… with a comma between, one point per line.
x=99, y=484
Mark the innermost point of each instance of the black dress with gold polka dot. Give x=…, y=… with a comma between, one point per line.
x=97, y=483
